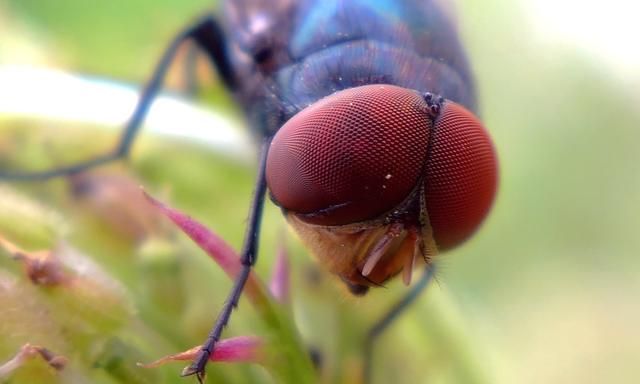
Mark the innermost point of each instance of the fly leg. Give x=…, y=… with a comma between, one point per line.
x=392, y=314
x=248, y=258
x=208, y=38
x=208, y=35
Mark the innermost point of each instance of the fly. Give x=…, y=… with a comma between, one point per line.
x=370, y=145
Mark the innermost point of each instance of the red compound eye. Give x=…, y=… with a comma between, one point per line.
x=460, y=177
x=359, y=153
x=351, y=156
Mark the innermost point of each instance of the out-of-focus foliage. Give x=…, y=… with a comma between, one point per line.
x=546, y=292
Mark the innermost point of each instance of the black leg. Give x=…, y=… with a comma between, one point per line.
x=210, y=38
x=206, y=31
x=248, y=258
x=390, y=317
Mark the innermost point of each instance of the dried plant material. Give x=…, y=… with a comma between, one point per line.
x=61, y=265
x=28, y=352
x=41, y=267
x=241, y=349
x=82, y=293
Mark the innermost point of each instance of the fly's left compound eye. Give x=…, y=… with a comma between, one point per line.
x=460, y=177
x=376, y=177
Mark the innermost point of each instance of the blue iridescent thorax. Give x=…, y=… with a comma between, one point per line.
x=330, y=22
x=322, y=46
x=337, y=44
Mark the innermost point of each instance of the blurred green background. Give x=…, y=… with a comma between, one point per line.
x=546, y=292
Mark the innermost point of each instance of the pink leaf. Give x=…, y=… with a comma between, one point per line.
x=242, y=349
x=221, y=252
x=280, y=284
x=208, y=241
